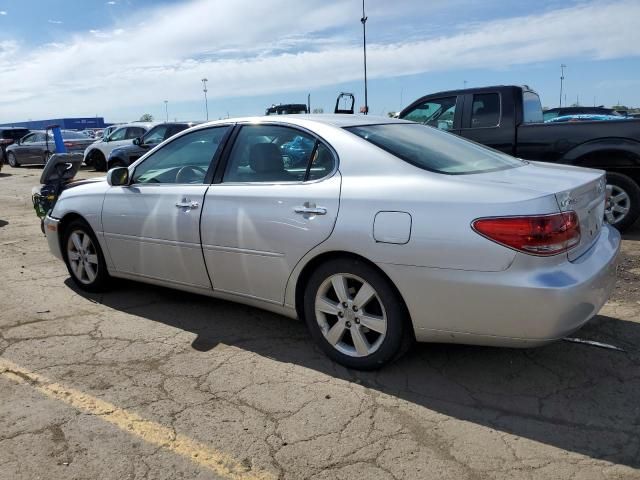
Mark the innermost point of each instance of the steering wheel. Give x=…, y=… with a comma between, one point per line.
x=189, y=173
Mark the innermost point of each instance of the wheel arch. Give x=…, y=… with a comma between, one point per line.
x=64, y=223
x=316, y=261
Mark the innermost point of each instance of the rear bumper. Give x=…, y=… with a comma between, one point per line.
x=516, y=307
x=51, y=230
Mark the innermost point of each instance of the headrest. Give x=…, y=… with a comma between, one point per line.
x=266, y=158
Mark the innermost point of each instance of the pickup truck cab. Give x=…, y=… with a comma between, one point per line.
x=510, y=119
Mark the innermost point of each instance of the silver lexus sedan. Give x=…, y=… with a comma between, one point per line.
x=375, y=231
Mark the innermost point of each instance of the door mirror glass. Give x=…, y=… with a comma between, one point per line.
x=118, y=176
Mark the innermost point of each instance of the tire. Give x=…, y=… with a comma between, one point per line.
x=386, y=341
x=625, y=195
x=116, y=162
x=88, y=253
x=12, y=160
x=96, y=157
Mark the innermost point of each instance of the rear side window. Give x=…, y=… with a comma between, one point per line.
x=432, y=150
x=485, y=110
x=439, y=113
x=134, y=132
x=531, y=108
x=274, y=153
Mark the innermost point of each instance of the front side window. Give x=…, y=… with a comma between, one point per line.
x=185, y=160
x=485, y=110
x=549, y=115
x=155, y=135
x=439, y=113
x=433, y=150
x=271, y=153
x=29, y=138
x=531, y=108
x=134, y=132
x=118, y=135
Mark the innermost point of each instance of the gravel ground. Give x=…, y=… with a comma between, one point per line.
x=145, y=382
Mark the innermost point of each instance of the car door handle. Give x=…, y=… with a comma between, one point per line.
x=308, y=210
x=187, y=204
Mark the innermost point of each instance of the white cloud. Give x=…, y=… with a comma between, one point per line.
x=269, y=47
x=111, y=3
x=3, y=12
x=55, y=22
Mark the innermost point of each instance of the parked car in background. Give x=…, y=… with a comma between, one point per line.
x=287, y=109
x=510, y=119
x=97, y=153
x=586, y=117
x=564, y=111
x=126, y=155
x=8, y=136
x=36, y=147
x=368, y=241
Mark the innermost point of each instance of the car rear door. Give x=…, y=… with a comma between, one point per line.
x=487, y=118
x=151, y=227
x=277, y=199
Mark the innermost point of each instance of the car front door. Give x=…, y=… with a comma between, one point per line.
x=443, y=113
x=25, y=152
x=277, y=199
x=152, y=226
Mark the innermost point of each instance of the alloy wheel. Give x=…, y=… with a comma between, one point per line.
x=351, y=315
x=83, y=257
x=617, y=206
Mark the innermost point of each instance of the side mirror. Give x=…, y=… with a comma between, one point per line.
x=137, y=141
x=117, y=177
x=105, y=139
x=18, y=141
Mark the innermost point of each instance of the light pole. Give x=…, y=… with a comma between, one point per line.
x=562, y=67
x=166, y=110
x=364, y=47
x=206, y=103
x=464, y=82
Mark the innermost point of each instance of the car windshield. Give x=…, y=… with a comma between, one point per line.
x=434, y=150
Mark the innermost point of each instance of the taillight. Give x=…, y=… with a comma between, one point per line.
x=5, y=141
x=533, y=234
x=69, y=144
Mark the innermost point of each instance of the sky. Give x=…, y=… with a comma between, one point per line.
x=120, y=59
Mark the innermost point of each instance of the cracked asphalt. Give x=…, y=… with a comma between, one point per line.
x=149, y=383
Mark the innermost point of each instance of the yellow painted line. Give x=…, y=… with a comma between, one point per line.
x=154, y=433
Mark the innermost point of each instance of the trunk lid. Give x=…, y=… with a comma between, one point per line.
x=582, y=190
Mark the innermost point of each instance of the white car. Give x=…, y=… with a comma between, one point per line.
x=97, y=153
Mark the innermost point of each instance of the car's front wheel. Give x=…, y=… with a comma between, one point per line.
x=355, y=315
x=96, y=158
x=12, y=160
x=84, y=257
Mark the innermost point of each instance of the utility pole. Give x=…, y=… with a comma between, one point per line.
x=206, y=103
x=364, y=47
x=562, y=67
x=166, y=110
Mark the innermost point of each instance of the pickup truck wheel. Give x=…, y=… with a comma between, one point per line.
x=13, y=161
x=623, y=203
x=84, y=257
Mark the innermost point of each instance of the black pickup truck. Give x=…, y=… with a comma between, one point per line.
x=509, y=118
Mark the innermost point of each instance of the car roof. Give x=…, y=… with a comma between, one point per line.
x=336, y=120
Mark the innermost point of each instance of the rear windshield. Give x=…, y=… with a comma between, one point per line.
x=15, y=134
x=434, y=150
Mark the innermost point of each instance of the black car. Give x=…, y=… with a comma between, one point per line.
x=564, y=111
x=8, y=135
x=126, y=155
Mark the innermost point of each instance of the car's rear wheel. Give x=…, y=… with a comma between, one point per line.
x=623, y=203
x=354, y=314
x=12, y=160
x=84, y=257
x=96, y=158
